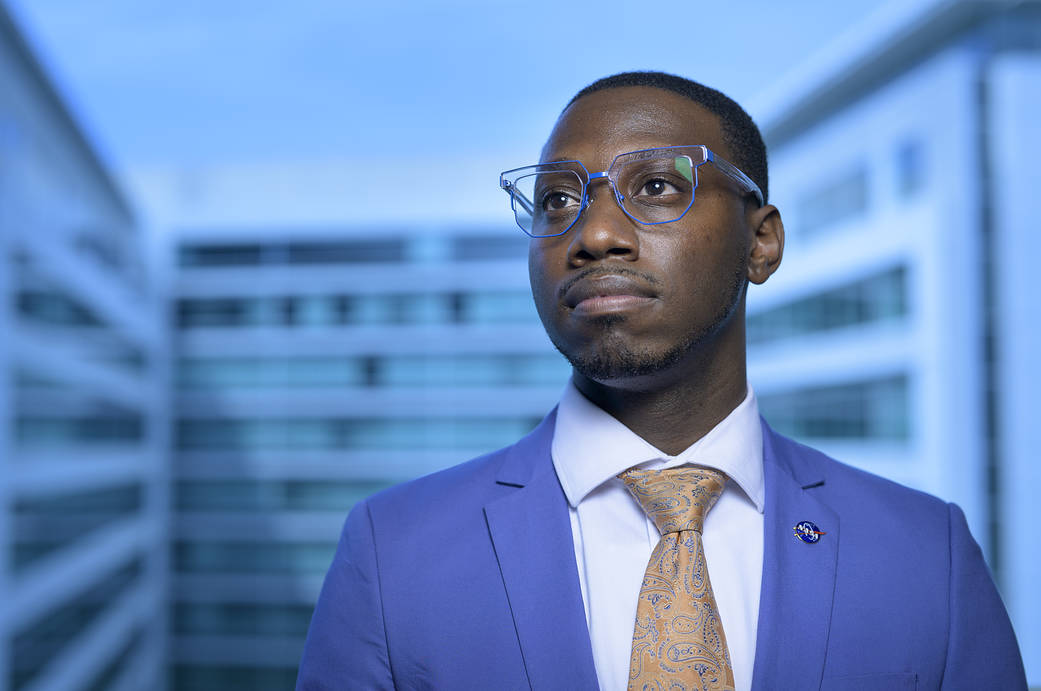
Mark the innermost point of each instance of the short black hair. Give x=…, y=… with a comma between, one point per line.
x=740, y=133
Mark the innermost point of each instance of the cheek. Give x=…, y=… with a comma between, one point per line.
x=702, y=271
x=536, y=269
x=540, y=278
x=547, y=260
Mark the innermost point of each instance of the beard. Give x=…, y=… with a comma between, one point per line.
x=612, y=357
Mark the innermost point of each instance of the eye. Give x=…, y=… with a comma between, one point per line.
x=556, y=200
x=656, y=188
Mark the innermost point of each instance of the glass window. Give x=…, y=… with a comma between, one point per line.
x=910, y=167
x=297, y=252
x=253, y=557
x=210, y=677
x=472, y=370
x=328, y=495
x=497, y=307
x=228, y=373
x=550, y=369
x=453, y=433
x=334, y=372
x=346, y=252
x=239, y=312
x=491, y=247
x=876, y=298
x=221, y=373
x=420, y=370
x=425, y=309
x=340, y=433
x=376, y=309
x=875, y=409
x=196, y=312
x=42, y=526
x=315, y=310
x=55, y=309
x=839, y=199
x=240, y=619
x=381, y=309
x=220, y=255
x=105, y=427
x=391, y=371
x=271, y=495
x=105, y=349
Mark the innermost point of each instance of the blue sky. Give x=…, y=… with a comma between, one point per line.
x=196, y=85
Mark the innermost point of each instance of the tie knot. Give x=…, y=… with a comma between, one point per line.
x=676, y=499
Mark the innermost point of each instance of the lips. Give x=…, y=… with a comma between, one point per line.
x=607, y=293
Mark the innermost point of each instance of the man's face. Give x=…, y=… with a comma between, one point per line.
x=622, y=300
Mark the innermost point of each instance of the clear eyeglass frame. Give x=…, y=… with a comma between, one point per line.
x=573, y=181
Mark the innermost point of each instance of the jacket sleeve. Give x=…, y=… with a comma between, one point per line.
x=982, y=652
x=346, y=645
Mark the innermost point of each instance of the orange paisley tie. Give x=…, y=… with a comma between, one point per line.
x=678, y=640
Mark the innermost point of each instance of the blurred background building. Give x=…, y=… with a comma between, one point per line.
x=314, y=367
x=178, y=452
x=83, y=440
x=899, y=334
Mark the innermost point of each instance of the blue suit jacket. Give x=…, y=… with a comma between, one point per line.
x=466, y=579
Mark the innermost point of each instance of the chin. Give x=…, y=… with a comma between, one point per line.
x=606, y=361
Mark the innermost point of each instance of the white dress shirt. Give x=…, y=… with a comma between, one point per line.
x=614, y=538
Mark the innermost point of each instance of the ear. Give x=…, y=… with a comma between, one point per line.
x=767, y=246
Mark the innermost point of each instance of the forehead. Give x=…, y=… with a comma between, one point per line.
x=603, y=124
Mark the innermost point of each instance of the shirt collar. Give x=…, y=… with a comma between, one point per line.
x=590, y=447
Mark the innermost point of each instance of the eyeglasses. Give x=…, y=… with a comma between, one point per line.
x=651, y=186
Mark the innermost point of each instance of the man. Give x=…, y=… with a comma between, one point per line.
x=652, y=532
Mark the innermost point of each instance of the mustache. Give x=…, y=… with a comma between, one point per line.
x=596, y=271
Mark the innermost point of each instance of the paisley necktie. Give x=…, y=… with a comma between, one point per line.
x=678, y=640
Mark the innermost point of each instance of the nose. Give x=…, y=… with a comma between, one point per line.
x=603, y=230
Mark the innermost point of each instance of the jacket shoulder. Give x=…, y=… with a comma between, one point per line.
x=909, y=565
x=846, y=486
x=463, y=482
x=458, y=493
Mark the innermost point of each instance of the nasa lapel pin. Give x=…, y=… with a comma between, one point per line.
x=808, y=532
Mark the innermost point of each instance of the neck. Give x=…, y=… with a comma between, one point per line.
x=675, y=408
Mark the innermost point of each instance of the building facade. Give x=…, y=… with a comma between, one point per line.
x=314, y=367
x=898, y=334
x=83, y=442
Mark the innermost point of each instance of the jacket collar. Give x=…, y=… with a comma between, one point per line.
x=530, y=530
x=521, y=460
x=798, y=584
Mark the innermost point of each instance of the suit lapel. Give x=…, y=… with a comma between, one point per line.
x=530, y=529
x=798, y=583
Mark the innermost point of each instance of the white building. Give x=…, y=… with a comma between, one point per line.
x=315, y=366
x=82, y=441
x=902, y=331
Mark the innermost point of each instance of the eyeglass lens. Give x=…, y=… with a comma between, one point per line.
x=547, y=199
